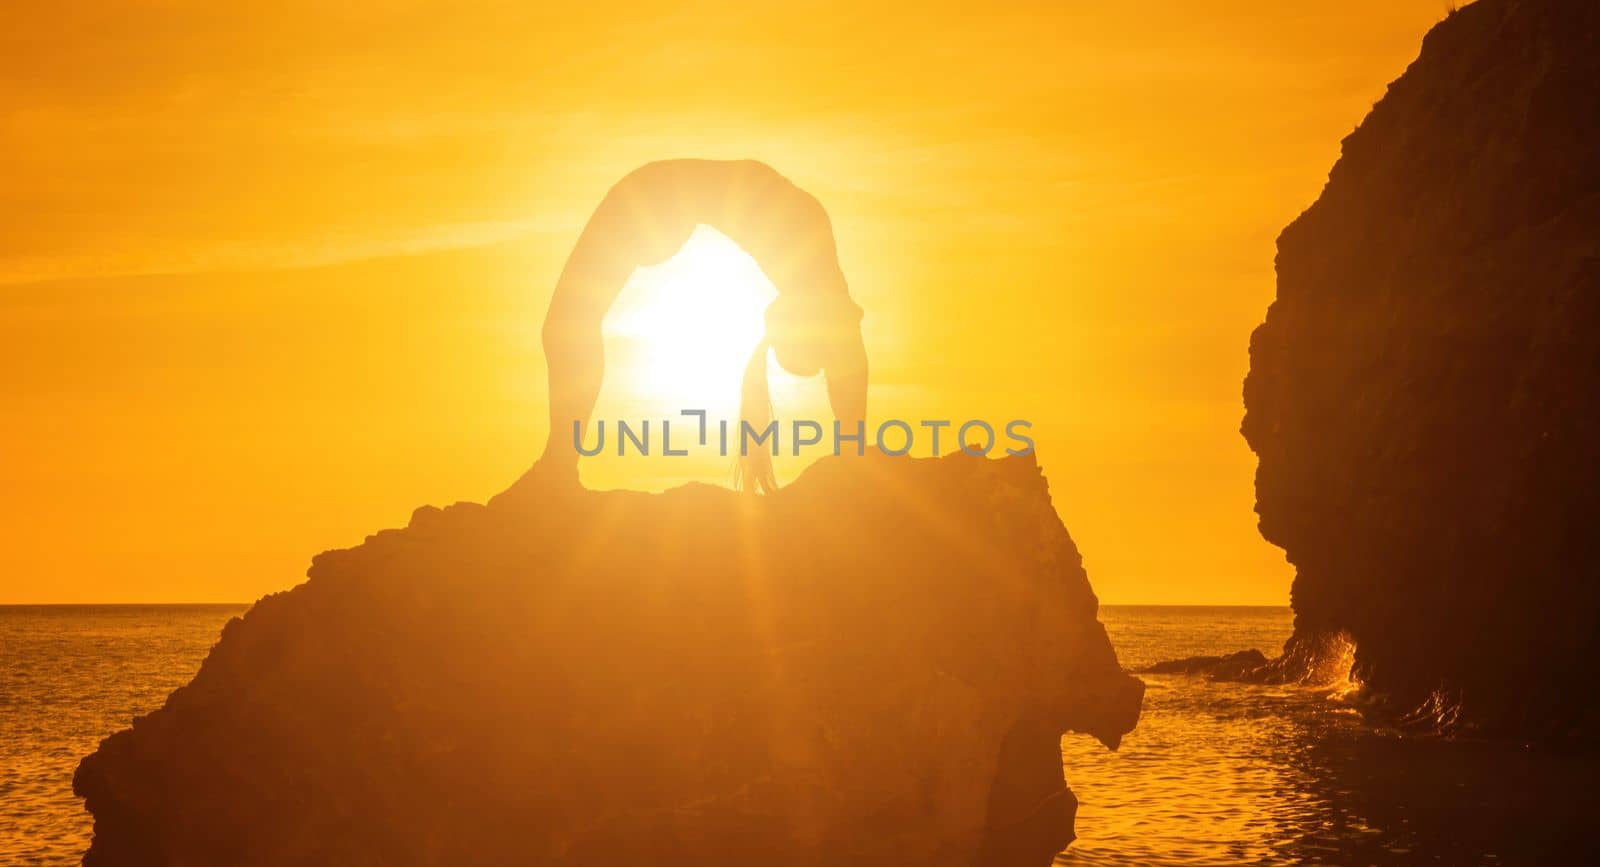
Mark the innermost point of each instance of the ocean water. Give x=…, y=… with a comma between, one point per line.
x=69, y=676
x=1229, y=773
x=1214, y=774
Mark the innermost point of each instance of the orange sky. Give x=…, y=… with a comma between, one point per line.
x=271, y=278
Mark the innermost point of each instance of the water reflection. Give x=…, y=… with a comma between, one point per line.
x=1221, y=773
x=72, y=675
x=1216, y=773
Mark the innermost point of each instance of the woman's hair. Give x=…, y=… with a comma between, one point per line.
x=809, y=335
x=753, y=471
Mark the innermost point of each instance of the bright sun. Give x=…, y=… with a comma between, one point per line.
x=681, y=331
x=679, y=338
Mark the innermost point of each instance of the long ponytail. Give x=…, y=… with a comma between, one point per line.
x=753, y=470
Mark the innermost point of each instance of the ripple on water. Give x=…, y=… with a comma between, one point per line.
x=1223, y=773
x=71, y=676
x=1215, y=773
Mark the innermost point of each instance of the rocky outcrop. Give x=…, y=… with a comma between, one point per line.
x=1232, y=666
x=872, y=666
x=1309, y=658
x=1424, y=395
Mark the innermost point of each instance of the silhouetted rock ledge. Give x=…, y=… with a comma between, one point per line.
x=1424, y=395
x=1234, y=666
x=1317, y=659
x=872, y=666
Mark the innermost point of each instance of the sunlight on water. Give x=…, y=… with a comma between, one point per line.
x=71, y=676
x=1229, y=773
x=1212, y=773
x=1216, y=773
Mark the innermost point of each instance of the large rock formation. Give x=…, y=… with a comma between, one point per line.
x=1424, y=392
x=873, y=666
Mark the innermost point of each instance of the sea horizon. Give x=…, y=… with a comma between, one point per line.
x=1103, y=604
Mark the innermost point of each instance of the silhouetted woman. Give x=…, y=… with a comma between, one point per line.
x=812, y=326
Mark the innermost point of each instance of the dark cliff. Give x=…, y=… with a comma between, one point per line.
x=1423, y=394
x=872, y=666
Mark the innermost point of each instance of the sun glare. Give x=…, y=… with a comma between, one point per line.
x=681, y=331
x=679, y=337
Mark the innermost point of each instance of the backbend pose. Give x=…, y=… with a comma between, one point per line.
x=812, y=325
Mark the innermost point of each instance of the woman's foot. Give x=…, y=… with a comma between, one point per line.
x=544, y=478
